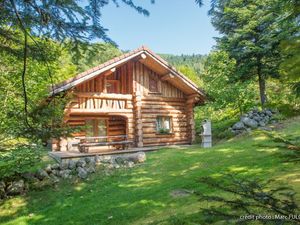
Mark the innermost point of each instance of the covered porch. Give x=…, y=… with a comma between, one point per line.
x=96, y=133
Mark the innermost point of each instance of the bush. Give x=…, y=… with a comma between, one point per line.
x=19, y=160
x=221, y=120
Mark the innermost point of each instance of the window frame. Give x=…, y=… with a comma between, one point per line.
x=158, y=86
x=92, y=126
x=115, y=83
x=151, y=80
x=163, y=118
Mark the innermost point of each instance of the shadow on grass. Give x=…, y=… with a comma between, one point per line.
x=142, y=194
x=241, y=201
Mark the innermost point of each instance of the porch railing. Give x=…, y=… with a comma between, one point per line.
x=102, y=101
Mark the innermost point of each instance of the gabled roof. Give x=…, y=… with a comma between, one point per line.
x=152, y=60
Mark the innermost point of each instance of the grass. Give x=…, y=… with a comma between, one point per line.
x=141, y=195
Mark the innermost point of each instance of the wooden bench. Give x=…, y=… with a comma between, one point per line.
x=87, y=142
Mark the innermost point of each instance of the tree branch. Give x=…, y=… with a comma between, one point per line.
x=24, y=62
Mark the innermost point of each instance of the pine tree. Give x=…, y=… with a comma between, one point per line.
x=252, y=35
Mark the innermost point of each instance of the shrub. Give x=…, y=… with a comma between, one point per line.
x=18, y=160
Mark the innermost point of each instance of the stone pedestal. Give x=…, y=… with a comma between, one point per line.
x=206, y=134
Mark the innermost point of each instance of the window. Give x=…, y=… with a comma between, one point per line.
x=163, y=124
x=153, y=85
x=96, y=128
x=112, y=86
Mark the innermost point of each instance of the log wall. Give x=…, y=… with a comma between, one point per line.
x=141, y=76
x=168, y=101
x=123, y=74
x=136, y=103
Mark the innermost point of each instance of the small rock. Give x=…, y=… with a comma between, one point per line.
x=91, y=169
x=72, y=164
x=64, y=165
x=109, y=166
x=82, y=173
x=139, y=157
x=97, y=159
x=41, y=174
x=269, y=113
x=48, y=168
x=257, y=118
x=65, y=174
x=116, y=166
x=129, y=164
x=55, y=166
x=249, y=122
x=81, y=163
x=261, y=124
x=238, y=126
x=120, y=160
x=91, y=163
x=55, y=172
x=16, y=187
x=89, y=160
x=106, y=159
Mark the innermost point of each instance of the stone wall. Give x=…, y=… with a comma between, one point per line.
x=69, y=169
x=254, y=119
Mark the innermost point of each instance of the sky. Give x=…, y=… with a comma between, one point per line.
x=173, y=27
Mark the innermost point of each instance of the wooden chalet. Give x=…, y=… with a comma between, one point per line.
x=135, y=100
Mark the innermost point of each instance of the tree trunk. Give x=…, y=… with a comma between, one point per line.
x=262, y=85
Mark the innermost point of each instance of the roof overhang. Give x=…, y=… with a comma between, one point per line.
x=146, y=57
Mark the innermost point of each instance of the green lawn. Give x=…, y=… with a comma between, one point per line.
x=141, y=195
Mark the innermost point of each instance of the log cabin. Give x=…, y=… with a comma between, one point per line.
x=136, y=100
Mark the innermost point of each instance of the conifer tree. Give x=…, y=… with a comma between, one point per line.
x=252, y=35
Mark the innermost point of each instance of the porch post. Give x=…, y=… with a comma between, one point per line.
x=190, y=118
x=137, y=103
x=63, y=144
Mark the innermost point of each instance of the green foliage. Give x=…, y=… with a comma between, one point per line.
x=221, y=120
x=191, y=74
x=255, y=46
x=222, y=88
x=61, y=21
x=18, y=160
x=194, y=62
x=31, y=57
x=42, y=113
x=288, y=142
x=88, y=56
x=228, y=98
x=251, y=35
x=290, y=69
x=250, y=197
